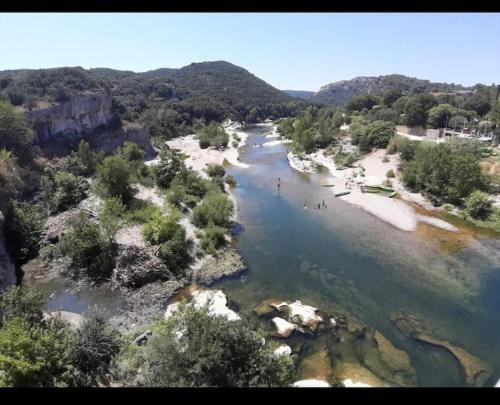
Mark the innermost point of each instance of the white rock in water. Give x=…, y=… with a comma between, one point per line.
x=306, y=313
x=283, y=350
x=284, y=327
x=216, y=302
x=171, y=310
x=333, y=322
x=278, y=306
x=348, y=383
x=497, y=385
x=311, y=383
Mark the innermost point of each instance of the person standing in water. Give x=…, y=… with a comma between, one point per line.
x=319, y=206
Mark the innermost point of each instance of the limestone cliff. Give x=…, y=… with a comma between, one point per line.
x=82, y=114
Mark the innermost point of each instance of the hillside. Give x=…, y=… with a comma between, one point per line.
x=302, y=94
x=339, y=93
x=168, y=101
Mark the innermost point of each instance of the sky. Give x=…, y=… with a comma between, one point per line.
x=299, y=51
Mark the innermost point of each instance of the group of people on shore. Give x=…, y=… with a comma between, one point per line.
x=322, y=204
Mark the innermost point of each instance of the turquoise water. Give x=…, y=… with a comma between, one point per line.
x=342, y=258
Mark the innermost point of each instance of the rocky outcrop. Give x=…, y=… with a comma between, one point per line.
x=108, y=140
x=72, y=318
x=227, y=264
x=82, y=114
x=283, y=327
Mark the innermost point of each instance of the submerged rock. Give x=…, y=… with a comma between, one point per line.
x=316, y=366
x=266, y=309
x=227, y=264
x=355, y=374
x=476, y=371
x=396, y=360
x=304, y=314
x=348, y=383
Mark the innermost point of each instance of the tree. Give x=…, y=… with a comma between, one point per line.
x=15, y=133
x=62, y=190
x=95, y=345
x=215, y=170
x=439, y=116
x=477, y=205
x=34, y=355
x=16, y=302
x=160, y=228
x=213, y=238
x=89, y=250
x=212, y=135
x=83, y=162
x=111, y=216
x=22, y=228
x=417, y=107
x=197, y=350
x=480, y=102
x=215, y=208
x=390, y=96
x=167, y=168
x=366, y=101
x=113, y=176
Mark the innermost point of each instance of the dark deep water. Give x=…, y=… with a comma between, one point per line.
x=342, y=257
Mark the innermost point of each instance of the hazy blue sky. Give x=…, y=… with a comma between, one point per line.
x=288, y=50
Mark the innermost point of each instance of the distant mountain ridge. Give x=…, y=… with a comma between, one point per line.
x=339, y=93
x=302, y=94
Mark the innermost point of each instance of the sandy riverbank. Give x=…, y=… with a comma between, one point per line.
x=398, y=213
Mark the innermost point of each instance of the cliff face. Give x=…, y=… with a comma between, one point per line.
x=81, y=114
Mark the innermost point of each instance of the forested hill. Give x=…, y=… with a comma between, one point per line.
x=303, y=94
x=339, y=93
x=169, y=101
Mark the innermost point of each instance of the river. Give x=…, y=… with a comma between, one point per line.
x=343, y=257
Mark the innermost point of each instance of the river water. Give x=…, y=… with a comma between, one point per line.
x=341, y=257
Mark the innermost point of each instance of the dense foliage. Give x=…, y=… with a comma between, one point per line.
x=212, y=135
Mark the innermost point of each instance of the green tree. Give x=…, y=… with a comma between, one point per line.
x=215, y=170
x=167, y=168
x=213, y=238
x=34, y=355
x=111, y=216
x=390, y=96
x=439, y=116
x=197, y=350
x=95, y=346
x=17, y=301
x=477, y=205
x=417, y=108
x=215, y=208
x=15, y=133
x=113, y=176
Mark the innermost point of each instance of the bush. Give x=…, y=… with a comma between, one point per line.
x=477, y=205
x=213, y=238
x=390, y=174
x=231, y=181
x=160, y=228
x=176, y=251
x=113, y=177
x=24, y=302
x=94, y=347
x=111, y=216
x=216, y=207
x=34, y=355
x=167, y=168
x=211, y=351
x=83, y=161
x=215, y=170
x=62, y=191
x=386, y=159
x=15, y=134
x=140, y=211
x=22, y=227
x=212, y=135
x=88, y=249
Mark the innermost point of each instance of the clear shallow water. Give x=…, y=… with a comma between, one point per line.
x=342, y=257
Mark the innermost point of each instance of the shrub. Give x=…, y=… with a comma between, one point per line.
x=113, y=176
x=160, y=228
x=88, y=249
x=215, y=170
x=216, y=207
x=24, y=302
x=62, y=191
x=386, y=159
x=231, y=181
x=22, y=227
x=15, y=134
x=140, y=211
x=34, y=355
x=211, y=351
x=94, y=347
x=111, y=216
x=212, y=135
x=176, y=251
x=213, y=238
x=83, y=161
x=167, y=168
x=477, y=205
x=390, y=174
